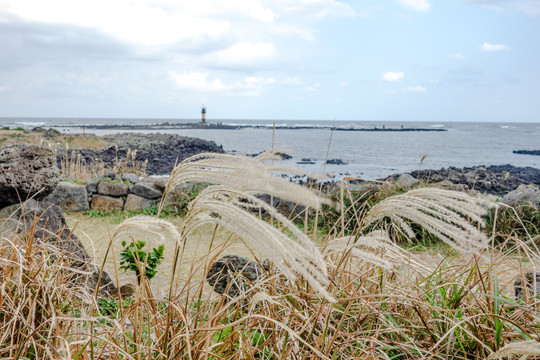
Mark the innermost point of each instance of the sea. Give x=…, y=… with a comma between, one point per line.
x=365, y=154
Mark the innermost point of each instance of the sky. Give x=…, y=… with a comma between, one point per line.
x=400, y=60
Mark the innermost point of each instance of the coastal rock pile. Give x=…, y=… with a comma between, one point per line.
x=160, y=151
x=496, y=179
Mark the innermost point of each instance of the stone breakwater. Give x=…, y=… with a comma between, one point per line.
x=159, y=151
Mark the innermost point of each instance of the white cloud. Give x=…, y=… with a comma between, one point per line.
x=292, y=81
x=418, y=5
x=393, y=76
x=435, y=81
x=458, y=56
x=245, y=55
x=343, y=83
x=196, y=81
x=313, y=87
x=143, y=22
x=3, y=88
x=162, y=22
x=416, y=89
x=494, y=47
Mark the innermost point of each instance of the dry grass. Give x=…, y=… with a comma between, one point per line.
x=455, y=307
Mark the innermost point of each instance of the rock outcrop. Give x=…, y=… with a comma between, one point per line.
x=26, y=171
x=48, y=224
x=160, y=151
x=496, y=179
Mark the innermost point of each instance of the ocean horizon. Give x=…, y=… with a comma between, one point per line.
x=368, y=155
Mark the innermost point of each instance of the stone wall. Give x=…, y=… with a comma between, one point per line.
x=111, y=192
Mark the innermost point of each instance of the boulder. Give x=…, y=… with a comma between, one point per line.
x=231, y=274
x=406, y=181
x=69, y=196
x=136, y=203
x=131, y=177
x=48, y=224
x=112, y=188
x=335, y=162
x=532, y=285
x=524, y=194
x=26, y=171
x=106, y=203
x=146, y=190
x=127, y=291
x=92, y=185
x=159, y=182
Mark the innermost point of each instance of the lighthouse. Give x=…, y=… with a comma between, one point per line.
x=203, y=114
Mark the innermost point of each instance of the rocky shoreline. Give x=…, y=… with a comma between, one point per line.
x=495, y=179
x=158, y=151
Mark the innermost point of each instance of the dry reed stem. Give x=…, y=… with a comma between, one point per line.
x=292, y=254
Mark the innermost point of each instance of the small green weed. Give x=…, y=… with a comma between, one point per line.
x=134, y=256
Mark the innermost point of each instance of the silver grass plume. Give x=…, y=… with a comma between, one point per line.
x=375, y=248
x=289, y=248
x=252, y=174
x=444, y=213
x=525, y=348
x=147, y=228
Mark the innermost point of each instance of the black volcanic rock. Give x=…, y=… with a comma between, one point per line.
x=495, y=179
x=161, y=151
x=47, y=223
x=527, y=152
x=335, y=162
x=26, y=171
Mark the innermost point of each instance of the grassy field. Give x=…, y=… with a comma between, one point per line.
x=199, y=249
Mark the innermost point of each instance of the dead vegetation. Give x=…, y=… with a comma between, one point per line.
x=356, y=296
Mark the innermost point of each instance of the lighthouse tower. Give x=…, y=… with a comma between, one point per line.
x=203, y=114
